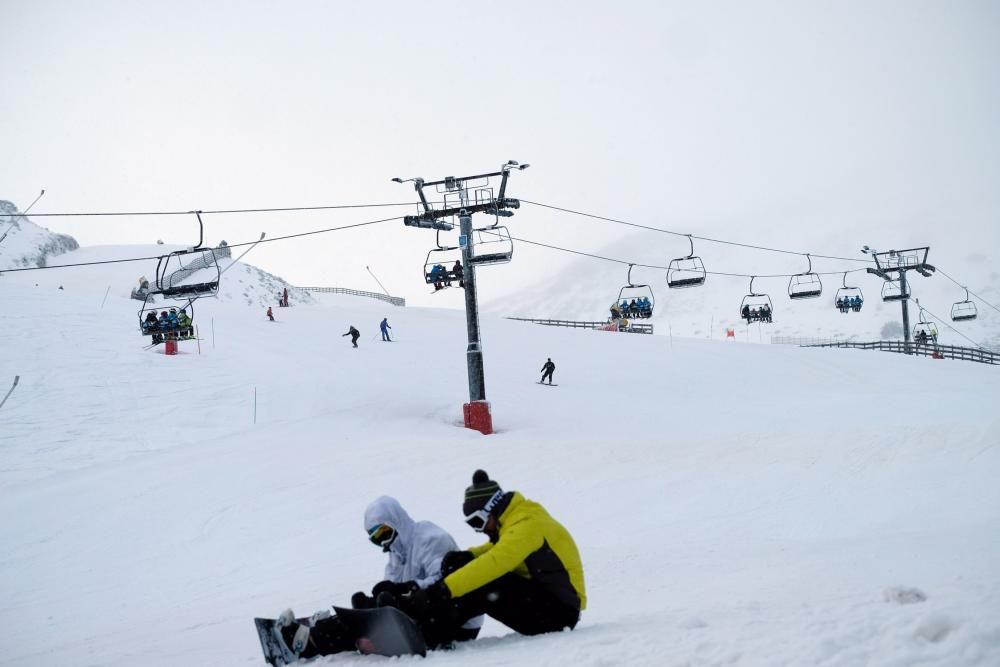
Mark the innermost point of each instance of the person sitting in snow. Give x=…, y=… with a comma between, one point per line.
x=416, y=550
x=528, y=575
x=270, y=314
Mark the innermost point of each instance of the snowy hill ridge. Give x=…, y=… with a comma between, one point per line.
x=28, y=244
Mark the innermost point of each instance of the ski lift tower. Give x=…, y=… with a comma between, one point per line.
x=899, y=262
x=458, y=201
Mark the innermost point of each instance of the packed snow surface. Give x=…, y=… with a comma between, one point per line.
x=734, y=504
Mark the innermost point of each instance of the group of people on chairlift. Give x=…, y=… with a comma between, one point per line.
x=849, y=303
x=923, y=337
x=640, y=307
x=442, y=277
x=761, y=314
x=172, y=325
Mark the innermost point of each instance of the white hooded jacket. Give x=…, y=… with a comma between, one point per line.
x=419, y=547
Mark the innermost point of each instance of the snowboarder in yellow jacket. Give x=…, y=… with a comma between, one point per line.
x=528, y=576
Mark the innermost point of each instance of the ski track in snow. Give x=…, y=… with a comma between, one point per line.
x=734, y=504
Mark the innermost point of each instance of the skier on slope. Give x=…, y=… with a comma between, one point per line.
x=270, y=314
x=416, y=549
x=548, y=369
x=354, y=334
x=384, y=327
x=528, y=576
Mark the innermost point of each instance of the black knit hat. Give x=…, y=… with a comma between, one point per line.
x=484, y=491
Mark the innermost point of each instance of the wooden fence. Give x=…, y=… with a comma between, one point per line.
x=924, y=349
x=394, y=300
x=633, y=327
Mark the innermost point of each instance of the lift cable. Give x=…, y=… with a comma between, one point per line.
x=656, y=266
x=966, y=288
x=945, y=323
x=695, y=236
x=222, y=211
x=231, y=245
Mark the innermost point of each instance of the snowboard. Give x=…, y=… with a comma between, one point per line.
x=384, y=631
x=550, y=385
x=276, y=653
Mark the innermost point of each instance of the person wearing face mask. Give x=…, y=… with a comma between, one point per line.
x=415, y=550
x=528, y=576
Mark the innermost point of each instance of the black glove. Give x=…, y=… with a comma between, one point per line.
x=426, y=602
x=454, y=560
x=361, y=601
x=397, y=589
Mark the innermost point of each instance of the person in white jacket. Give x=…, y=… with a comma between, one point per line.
x=416, y=550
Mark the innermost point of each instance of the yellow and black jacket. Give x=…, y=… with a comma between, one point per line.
x=531, y=544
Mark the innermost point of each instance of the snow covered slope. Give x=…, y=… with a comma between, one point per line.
x=27, y=244
x=733, y=504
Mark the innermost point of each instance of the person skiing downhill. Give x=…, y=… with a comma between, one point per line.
x=270, y=314
x=354, y=334
x=547, y=370
x=528, y=575
x=384, y=327
x=415, y=549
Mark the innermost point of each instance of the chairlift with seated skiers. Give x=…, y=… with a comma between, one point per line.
x=172, y=325
x=640, y=307
x=849, y=303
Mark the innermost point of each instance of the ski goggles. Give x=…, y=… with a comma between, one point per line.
x=382, y=535
x=477, y=520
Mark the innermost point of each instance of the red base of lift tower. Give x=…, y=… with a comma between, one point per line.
x=478, y=417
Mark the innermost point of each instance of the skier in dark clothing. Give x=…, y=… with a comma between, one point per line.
x=384, y=327
x=151, y=326
x=354, y=334
x=547, y=370
x=459, y=273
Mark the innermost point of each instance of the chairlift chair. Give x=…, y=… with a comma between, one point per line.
x=924, y=328
x=168, y=265
x=805, y=285
x=964, y=311
x=493, y=245
x=891, y=291
x=757, y=307
x=844, y=299
x=633, y=291
x=150, y=306
x=443, y=256
x=927, y=328
x=686, y=271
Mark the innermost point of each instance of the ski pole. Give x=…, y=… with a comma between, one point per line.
x=11, y=391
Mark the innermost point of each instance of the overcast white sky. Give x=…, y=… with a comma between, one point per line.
x=816, y=126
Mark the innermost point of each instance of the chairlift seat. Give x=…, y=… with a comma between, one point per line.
x=686, y=282
x=194, y=289
x=809, y=294
x=492, y=258
x=963, y=311
x=685, y=272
